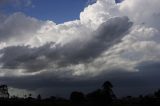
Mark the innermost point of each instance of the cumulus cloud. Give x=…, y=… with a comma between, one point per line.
x=142, y=11
x=97, y=13
x=18, y=26
x=38, y=58
x=108, y=37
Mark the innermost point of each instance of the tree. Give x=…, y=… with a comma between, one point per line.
x=30, y=95
x=77, y=97
x=107, y=92
x=4, y=91
x=107, y=85
x=95, y=96
x=25, y=96
x=102, y=96
x=39, y=97
x=157, y=93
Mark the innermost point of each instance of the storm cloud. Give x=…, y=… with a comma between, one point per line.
x=38, y=58
x=118, y=42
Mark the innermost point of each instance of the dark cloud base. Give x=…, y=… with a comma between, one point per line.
x=125, y=83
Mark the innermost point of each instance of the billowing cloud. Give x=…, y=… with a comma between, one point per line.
x=75, y=52
x=109, y=40
x=142, y=11
x=18, y=26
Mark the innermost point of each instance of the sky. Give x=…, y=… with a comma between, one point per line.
x=54, y=47
x=57, y=10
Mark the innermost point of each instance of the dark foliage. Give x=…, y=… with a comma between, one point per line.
x=4, y=91
x=100, y=97
x=77, y=97
x=157, y=93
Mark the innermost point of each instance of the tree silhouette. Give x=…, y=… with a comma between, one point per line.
x=4, y=91
x=157, y=93
x=95, y=96
x=102, y=96
x=30, y=95
x=77, y=97
x=39, y=97
x=107, y=92
x=107, y=85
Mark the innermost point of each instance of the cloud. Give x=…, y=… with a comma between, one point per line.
x=113, y=41
x=142, y=82
x=75, y=52
x=97, y=13
x=142, y=11
x=18, y=26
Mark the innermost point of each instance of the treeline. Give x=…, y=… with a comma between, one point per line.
x=104, y=96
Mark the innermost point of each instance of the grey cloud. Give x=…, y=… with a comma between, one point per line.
x=37, y=58
x=18, y=25
x=143, y=82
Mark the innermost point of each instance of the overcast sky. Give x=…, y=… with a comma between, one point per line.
x=53, y=47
